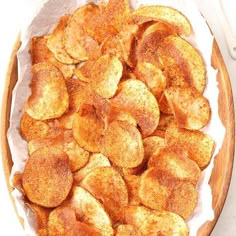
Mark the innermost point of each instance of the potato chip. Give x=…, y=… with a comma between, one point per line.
x=123, y=144
x=165, y=121
x=82, y=229
x=151, y=222
x=104, y=182
x=95, y=160
x=178, y=167
x=197, y=145
x=133, y=96
x=183, y=200
x=166, y=14
x=191, y=109
x=106, y=75
x=127, y=230
x=88, y=128
x=55, y=42
x=180, y=51
x=51, y=183
x=164, y=105
x=49, y=98
x=89, y=210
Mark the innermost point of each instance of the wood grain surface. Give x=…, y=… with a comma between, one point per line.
x=222, y=171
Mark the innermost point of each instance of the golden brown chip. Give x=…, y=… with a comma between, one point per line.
x=47, y=178
x=123, y=144
x=82, y=229
x=179, y=167
x=166, y=14
x=133, y=96
x=95, y=160
x=106, y=75
x=151, y=222
x=49, y=98
x=183, y=200
x=191, y=109
x=33, y=129
x=55, y=42
x=89, y=210
x=187, y=58
x=104, y=182
x=197, y=145
x=127, y=230
x=88, y=128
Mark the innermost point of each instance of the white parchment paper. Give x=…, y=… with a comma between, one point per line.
x=45, y=19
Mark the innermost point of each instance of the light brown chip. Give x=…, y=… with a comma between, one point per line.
x=197, y=145
x=133, y=96
x=104, y=182
x=95, y=160
x=187, y=58
x=191, y=109
x=166, y=14
x=49, y=98
x=151, y=191
x=127, y=230
x=40, y=53
x=153, y=77
x=88, y=128
x=183, y=200
x=55, y=42
x=33, y=129
x=151, y=222
x=123, y=144
x=107, y=72
x=133, y=183
x=179, y=167
x=51, y=183
x=89, y=210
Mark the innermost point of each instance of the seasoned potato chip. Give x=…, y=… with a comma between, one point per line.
x=198, y=146
x=133, y=96
x=95, y=160
x=49, y=98
x=180, y=51
x=104, y=182
x=191, y=109
x=55, y=42
x=166, y=14
x=88, y=128
x=51, y=183
x=106, y=75
x=82, y=229
x=123, y=144
x=127, y=230
x=89, y=210
x=183, y=200
x=151, y=222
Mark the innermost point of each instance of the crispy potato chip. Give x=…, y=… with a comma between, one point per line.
x=151, y=222
x=49, y=98
x=89, y=210
x=51, y=183
x=191, y=109
x=181, y=51
x=153, y=77
x=106, y=75
x=127, y=230
x=178, y=167
x=95, y=160
x=166, y=14
x=104, y=182
x=55, y=42
x=33, y=129
x=164, y=105
x=151, y=192
x=133, y=96
x=198, y=146
x=165, y=121
x=123, y=144
x=82, y=229
x=183, y=200
x=40, y=53
x=88, y=128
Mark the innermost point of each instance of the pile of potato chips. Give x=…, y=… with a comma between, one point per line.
x=113, y=123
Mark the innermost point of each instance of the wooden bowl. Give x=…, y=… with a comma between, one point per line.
x=221, y=175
